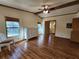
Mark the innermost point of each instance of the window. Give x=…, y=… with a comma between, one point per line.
x=12, y=28
x=39, y=28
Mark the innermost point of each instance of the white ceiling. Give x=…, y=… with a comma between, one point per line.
x=35, y=5
x=66, y=10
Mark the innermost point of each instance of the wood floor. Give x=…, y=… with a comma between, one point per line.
x=43, y=47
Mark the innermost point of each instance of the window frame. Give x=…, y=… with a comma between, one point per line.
x=12, y=20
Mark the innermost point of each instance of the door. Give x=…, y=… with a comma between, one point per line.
x=52, y=26
x=75, y=24
x=47, y=27
x=75, y=30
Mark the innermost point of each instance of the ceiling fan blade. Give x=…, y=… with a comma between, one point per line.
x=40, y=9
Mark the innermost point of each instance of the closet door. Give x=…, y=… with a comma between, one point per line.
x=75, y=24
x=75, y=36
x=75, y=30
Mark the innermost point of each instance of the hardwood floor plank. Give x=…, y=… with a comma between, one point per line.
x=43, y=47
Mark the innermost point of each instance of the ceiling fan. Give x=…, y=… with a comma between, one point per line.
x=45, y=7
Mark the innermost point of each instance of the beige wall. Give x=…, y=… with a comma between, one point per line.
x=61, y=21
x=77, y=15
x=26, y=19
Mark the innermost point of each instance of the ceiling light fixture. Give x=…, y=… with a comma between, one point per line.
x=45, y=9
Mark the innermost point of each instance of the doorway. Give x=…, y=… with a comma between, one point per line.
x=52, y=27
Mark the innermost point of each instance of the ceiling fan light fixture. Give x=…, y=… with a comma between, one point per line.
x=45, y=11
x=46, y=7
